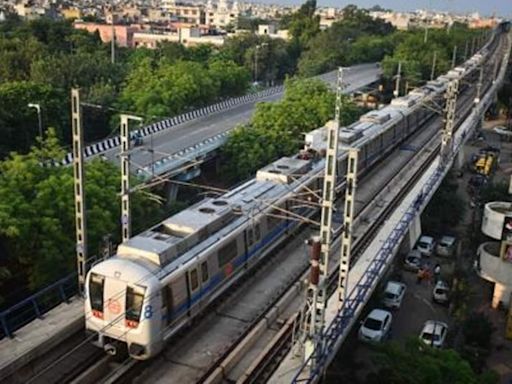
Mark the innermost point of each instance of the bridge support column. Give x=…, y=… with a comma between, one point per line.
x=172, y=192
x=414, y=232
x=459, y=160
x=501, y=293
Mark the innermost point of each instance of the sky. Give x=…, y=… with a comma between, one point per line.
x=484, y=7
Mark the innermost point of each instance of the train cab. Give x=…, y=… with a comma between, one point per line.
x=122, y=307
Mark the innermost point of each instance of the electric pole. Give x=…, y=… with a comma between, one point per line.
x=317, y=290
x=396, y=92
x=126, y=227
x=449, y=121
x=78, y=176
x=433, y=72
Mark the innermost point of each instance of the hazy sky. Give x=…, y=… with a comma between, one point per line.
x=484, y=7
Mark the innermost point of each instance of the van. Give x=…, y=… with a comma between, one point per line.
x=446, y=246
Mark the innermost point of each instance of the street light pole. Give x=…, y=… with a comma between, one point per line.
x=39, y=119
x=256, y=60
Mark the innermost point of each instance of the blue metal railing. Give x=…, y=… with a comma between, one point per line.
x=36, y=305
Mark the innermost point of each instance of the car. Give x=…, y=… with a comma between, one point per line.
x=412, y=261
x=394, y=294
x=441, y=293
x=446, y=246
x=376, y=327
x=434, y=333
x=426, y=245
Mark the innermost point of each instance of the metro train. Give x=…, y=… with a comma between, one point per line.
x=159, y=280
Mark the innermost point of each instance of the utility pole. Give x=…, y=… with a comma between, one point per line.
x=449, y=121
x=125, y=176
x=425, y=37
x=78, y=174
x=433, y=72
x=396, y=92
x=454, y=57
x=479, y=84
x=466, y=51
x=317, y=290
x=348, y=214
x=473, y=46
x=113, y=42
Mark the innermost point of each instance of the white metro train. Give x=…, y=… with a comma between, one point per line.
x=160, y=279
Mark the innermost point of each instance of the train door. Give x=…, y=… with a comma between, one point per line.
x=205, y=281
x=114, y=298
x=194, y=291
x=167, y=305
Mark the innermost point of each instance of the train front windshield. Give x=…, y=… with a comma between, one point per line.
x=134, y=303
x=96, y=284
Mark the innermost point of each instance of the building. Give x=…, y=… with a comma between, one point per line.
x=494, y=258
x=222, y=13
x=187, y=35
x=184, y=12
x=123, y=33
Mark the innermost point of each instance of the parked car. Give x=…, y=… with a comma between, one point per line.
x=412, y=261
x=446, y=246
x=376, y=327
x=434, y=333
x=441, y=293
x=426, y=245
x=394, y=294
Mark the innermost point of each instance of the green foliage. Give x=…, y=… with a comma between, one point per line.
x=37, y=210
x=18, y=123
x=171, y=88
x=276, y=128
x=477, y=330
x=445, y=210
x=356, y=38
x=415, y=363
x=417, y=55
x=304, y=24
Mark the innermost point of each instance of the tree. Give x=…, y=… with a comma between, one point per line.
x=415, y=363
x=354, y=39
x=445, y=210
x=37, y=210
x=18, y=123
x=276, y=128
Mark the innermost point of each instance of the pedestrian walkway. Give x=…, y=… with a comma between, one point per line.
x=39, y=336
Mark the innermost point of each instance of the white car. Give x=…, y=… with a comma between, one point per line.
x=412, y=261
x=426, y=245
x=446, y=246
x=434, y=333
x=393, y=294
x=376, y=327
x=441, y=293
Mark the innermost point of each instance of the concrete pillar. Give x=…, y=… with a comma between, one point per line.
x=414, y=232
x=501, y=293
x=172, y=192
x=459, y=160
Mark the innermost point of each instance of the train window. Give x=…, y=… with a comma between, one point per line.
x=250, y=236
x=96, y=283
x=194, y=281
x=134, y=301
x=227, y=253
x=257, y=231
x=204, y=271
